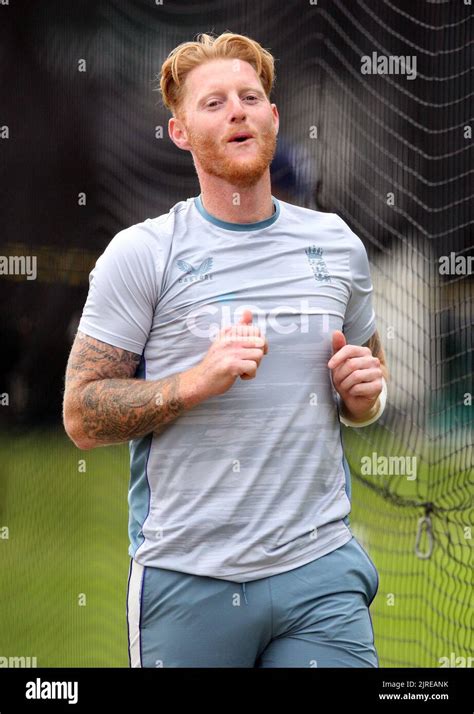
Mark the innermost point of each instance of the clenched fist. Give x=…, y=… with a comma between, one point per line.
x=357, y=377
x=236, y=352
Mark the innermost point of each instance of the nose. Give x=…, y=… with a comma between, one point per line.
x=237, y=109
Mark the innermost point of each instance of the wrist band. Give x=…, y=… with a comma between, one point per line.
x=383, y=401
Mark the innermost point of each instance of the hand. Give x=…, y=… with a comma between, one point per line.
x=246, y=320
x=236, y=352
x=356, y=376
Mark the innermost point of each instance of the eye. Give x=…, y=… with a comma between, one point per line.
x=213, y=102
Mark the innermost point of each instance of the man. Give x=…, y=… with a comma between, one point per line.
x=241, y=550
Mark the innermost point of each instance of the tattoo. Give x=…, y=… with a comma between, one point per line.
x=92, y=359
x=113, y=406
x=114, y=409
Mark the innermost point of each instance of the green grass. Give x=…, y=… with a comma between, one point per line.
x=423, y=608
x=68, y=536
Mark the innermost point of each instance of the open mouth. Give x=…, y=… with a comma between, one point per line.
x=240, y=139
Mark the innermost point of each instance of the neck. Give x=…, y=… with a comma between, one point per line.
x=235, y=204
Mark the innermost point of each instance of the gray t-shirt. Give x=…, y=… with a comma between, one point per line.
x=253, y=482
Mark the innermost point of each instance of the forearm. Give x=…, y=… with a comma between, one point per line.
x=112, y=411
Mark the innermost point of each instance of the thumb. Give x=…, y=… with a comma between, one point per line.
x=246, y=318
x=338, y=341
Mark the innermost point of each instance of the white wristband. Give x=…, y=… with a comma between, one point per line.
x=383, y=401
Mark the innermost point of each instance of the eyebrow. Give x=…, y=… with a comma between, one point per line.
x=217, y=90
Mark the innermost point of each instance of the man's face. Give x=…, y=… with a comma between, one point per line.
x=224, y=98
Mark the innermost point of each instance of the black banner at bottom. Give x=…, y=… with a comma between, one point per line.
x=74, y=690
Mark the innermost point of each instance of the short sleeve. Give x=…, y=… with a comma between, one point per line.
x=359, y=320
x=123, y=291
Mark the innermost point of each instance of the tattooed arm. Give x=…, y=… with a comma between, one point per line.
x=103, y=402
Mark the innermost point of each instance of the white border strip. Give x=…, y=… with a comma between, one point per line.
x=134, y=596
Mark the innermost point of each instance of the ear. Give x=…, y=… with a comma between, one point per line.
x=276, y=117
x=177, y=133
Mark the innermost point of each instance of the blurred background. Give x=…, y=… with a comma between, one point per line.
x=84, y=153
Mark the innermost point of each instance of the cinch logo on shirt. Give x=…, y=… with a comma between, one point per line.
x=194, y=274
x=316, y=261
